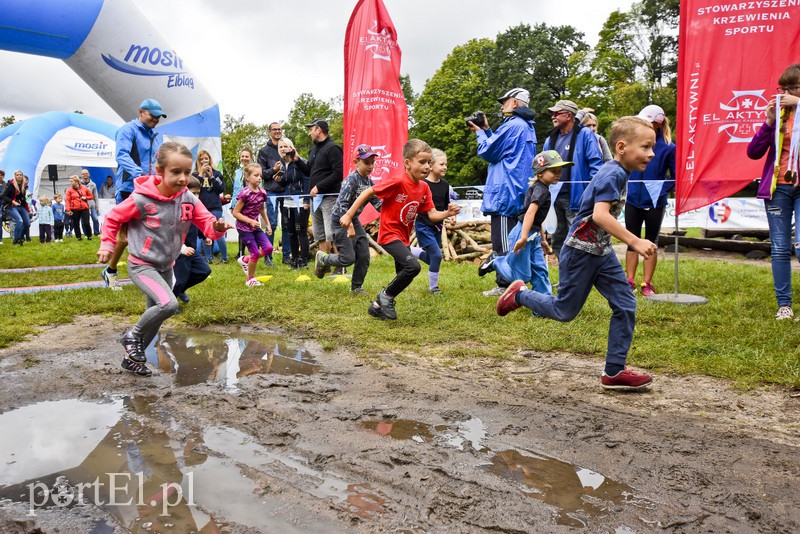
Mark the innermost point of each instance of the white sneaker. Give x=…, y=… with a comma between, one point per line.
x=242, y=263
x=111, y=280
x=252, y=282
x=496, y=292
x=784, y=312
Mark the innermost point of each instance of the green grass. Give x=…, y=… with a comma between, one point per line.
x=734, y=336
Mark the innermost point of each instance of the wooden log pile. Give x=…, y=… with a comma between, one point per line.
x=466, y=241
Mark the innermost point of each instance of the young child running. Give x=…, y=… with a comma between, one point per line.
x=526, y=261
x=355, y=249
x=588, y=260
x=250, y=204
x=429, y=233
x=159, y=213
x=403, y=197
x=190, y=267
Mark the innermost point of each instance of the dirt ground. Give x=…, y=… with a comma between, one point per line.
x=396, y=444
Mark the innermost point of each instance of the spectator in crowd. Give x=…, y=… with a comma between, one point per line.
x=86, y=180
x=15, y=204
x=2, y=212
x=211, y=187
x=574, y=143
x=589, y=120
x=45, y=220
x=270, y=161
x=59, y=217
x=509, y=150
x=295, y=209
x=78, y=197
x=107, y=190
x=324, y=169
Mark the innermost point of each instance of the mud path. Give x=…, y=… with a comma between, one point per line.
x=323, y=442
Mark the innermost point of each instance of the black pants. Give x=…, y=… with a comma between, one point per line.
x=352, y=250
x=81, y=218
x=189, y=271
x=295, y=228
x=45, y=233
x=58, y=229
x=405, y=265
x=651, y=218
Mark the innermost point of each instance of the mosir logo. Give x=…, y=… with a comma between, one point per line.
x=719, y=212
x=380, y=43
x=740, y=116
x=141, y=60
x=408, y=213
x=99, y=148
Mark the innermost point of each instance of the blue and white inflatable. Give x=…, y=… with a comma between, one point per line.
x=112, y=46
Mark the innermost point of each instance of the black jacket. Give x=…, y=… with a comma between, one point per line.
x=324, y=167
x=267, y=157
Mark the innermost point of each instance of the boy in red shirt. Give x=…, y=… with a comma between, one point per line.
x=403, y=197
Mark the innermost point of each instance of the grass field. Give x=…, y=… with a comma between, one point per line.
x=734, y=336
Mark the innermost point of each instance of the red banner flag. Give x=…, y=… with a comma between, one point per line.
x=730, y=57
x=375, y=111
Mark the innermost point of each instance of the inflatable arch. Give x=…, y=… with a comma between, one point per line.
x=117, y=52
x=56, y=138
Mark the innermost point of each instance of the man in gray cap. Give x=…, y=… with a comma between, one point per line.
x=509, y=150
x=324, y=169
x=576, y=144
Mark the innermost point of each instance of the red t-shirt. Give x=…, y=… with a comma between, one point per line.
x=402, y=200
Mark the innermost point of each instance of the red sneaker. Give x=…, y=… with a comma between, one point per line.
x=648, y=290
x=627, y=380
x=507, y=304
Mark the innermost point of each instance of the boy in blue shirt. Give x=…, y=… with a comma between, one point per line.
x=59, y=212
x=588, y=260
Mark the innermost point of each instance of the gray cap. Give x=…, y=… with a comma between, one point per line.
x=565, y=105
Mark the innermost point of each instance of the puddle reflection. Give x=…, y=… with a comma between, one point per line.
x=472, y=430
x=579, y=494
x=118, y=456
x=195, y=357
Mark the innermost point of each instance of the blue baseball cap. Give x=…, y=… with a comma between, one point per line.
x=148, y=104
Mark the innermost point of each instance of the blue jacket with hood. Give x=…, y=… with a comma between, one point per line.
x=663, y=161
x=510, y=151
x=587, y=158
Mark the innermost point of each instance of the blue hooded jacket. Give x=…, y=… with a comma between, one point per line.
x=510, y=152
x=137, y=146
x=663, y=161
x=587, y=158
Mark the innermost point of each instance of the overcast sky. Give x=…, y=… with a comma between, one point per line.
x=257, y=56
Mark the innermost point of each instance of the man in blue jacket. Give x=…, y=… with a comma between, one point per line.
x=579, y=145
x=510, y=151
x=137, y=145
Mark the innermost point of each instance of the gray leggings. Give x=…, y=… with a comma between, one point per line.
x=161, y=303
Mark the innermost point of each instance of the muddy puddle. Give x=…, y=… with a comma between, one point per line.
x=117, y=456
x=580, y=495
x=195, y=357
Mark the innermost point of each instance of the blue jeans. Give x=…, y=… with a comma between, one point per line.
x=22, y=221
x=223, y=247
x=95, y=220
x=578, y=271
x=785, y=203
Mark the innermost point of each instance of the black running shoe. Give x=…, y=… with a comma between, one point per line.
x=137, y=368
x=134, y=347
x=386, y=304
x=488, y=265
x=375, y=310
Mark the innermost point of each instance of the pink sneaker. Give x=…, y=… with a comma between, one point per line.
x=632, y=283
x=252, y=282
x=648, y=290
x=507, y=304
x=627, y=380
x=242, y=261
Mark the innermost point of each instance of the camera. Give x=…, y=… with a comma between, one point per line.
x=290, y=153
x=478, y=119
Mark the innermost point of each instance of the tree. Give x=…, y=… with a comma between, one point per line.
x=306, y=108
x=237, y=134
x=536, y=59
x=410, y=96
x=7, y=121
x=456, y=90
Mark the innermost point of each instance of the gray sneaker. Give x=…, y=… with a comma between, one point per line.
x=387, y=305
x=496, y=292
x=320, y=269
x=358, y=291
